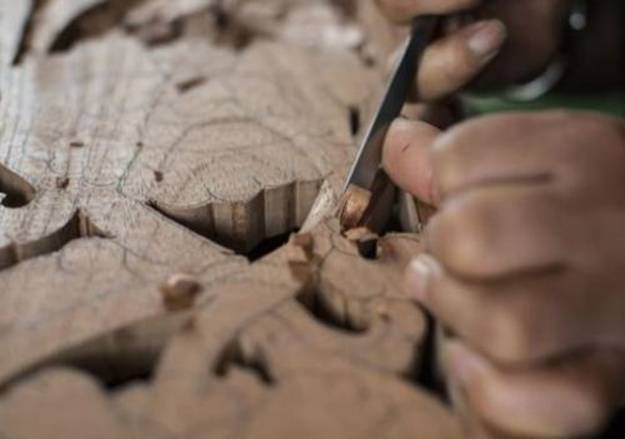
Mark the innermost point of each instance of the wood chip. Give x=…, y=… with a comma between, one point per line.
x=190, y=84
x=353, y=207
x=62, y=182
x=301, y=256
x=360, y=234
x=365, y=239
x=304, y=241
x=180, y=292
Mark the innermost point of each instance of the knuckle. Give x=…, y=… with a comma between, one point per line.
x=447, y=158
x=619, y=131
x=583, y=128
x=455, y=148
x=558, y=116
x=603, y=131
x=460, y=237
x=508, y=336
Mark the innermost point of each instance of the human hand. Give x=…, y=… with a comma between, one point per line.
x=526, y=262
x=502, y=41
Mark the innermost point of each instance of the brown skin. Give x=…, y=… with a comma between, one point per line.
x=519, y=39
x=526, y=262
x=526, y=259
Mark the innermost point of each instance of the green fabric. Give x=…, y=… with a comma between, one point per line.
x=609, y=103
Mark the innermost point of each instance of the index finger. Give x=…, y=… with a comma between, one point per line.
x=406, y=157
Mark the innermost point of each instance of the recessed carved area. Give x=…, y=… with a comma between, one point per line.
x=245, y=356
x=253, y=228
x=17, y=191
x=79, y=226
x=93, y=22
x=118, y=358
x=330, y=309
x=355, y=123
x=268, y=246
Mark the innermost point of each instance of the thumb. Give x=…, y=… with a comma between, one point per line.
x=406, y=158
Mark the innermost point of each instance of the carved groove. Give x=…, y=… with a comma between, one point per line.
x=247, y=357
x=243, y=226
x=27, y=31
x=79, y=226
x=115, y=358
x=18, y=192
x=317, y=305
x=354, y=120
x=93, y=23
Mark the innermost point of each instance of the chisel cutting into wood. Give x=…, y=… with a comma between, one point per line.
x=360, y=188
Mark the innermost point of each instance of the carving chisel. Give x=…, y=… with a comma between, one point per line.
x=367, y=164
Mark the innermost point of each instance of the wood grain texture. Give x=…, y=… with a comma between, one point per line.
x=127, y=167
x=305, y=341
x=213, y=148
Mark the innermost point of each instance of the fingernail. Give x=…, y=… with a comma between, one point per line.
x=417, y=278
x=487, y=38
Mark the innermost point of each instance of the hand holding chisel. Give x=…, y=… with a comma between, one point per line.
x=524, y=260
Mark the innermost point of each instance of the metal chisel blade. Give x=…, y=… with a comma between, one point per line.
x=369, y=156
